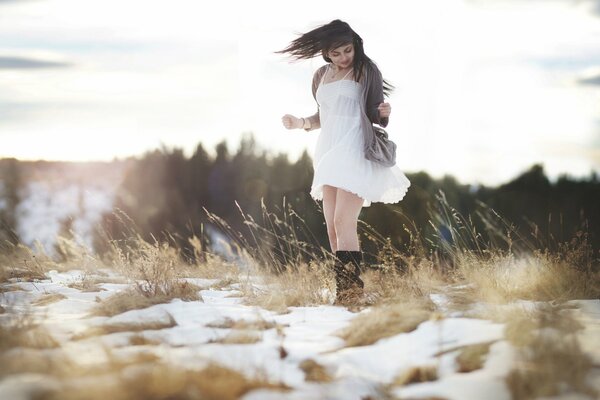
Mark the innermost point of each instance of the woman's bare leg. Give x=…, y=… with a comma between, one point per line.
x=329, y=202
x=345, y=218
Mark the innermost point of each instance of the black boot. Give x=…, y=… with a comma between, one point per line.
x=347, y=271
x=356, y=258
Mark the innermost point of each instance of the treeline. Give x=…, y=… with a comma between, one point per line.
x=165, y=195
x=167, y=192
x=10, y=185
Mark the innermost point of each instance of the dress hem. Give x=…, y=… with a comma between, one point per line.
x=402, y=192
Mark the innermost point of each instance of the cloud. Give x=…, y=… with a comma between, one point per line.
x=590, y=80
x=592, y=5
x=578, y=57
x=2, y=2
x=29, y=63
x=12, y=110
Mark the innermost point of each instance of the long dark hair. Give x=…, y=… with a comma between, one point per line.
x=330, y=36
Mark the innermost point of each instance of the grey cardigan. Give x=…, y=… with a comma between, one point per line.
x=376, y=149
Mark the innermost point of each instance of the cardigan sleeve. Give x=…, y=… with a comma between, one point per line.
x=315, y=119
x=375, y=97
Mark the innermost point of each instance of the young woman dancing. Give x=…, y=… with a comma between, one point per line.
x=351, y=167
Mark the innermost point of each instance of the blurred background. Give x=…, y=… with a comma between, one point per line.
x=165, y=111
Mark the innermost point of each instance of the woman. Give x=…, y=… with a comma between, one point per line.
x=351, y=168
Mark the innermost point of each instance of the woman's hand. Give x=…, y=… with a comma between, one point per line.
x=385, y=109
x=291, y=122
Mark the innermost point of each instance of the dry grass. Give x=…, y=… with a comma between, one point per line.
x=416, y=375
x=314, y=372
x=403, y=303
x=21, y=263
x=259, y=324
x=10, y=288
x=125, y=327
x=52, y=362
x=128, y=299
x=522, y=324
x=209, y=265
x=90, y=283
x=141, y=340
x=73, y=254
x=469, y=270
x=153, y=269
x=135, y=299
x=152, y=266
x=542, y=277
x=294, y=272
x=224, y=283
x=499, y=280
x=141, y=376
x=48, y=299
x=239, y=337
x=138, y=258
x=161, y=381
x=156, y=272
x=500, y=265
x=25, y=344
x=243, y=331
x=58, y=364
x=4, y=273
x=472, y=357
x=386, y=321
x=388, y=285
x=289, y=281
x=86, y=286
x=549, y=367
x=301, y=285
x=549, y=359
x=20, y=330
x=312, y=283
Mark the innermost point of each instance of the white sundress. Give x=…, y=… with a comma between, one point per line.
x=339, y=153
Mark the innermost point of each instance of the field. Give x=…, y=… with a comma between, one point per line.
x=485, y=319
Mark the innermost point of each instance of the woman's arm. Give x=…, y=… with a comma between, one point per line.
x=375, y=97
x=314, y=121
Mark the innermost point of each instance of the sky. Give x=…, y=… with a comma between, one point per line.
x=484, y=89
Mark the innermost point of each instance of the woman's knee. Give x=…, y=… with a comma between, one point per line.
x=343, y=222
x=331, y=233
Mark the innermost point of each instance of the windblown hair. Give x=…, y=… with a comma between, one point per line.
x=330, y=36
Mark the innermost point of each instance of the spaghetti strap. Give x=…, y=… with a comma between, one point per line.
x=325, y=73
x=346, y=74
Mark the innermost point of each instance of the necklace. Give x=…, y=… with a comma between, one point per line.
x=333, y=74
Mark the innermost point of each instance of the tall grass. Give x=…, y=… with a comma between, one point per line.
x=24, y=263
x=276, y=244
x=480, y=257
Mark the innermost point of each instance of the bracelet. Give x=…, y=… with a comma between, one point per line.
x=303, y=122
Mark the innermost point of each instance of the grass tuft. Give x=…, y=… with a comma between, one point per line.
x=106, y=329
x=416, y=375
x=550, y=361
x=472, y=357
x=314, y=372
x=386, y=321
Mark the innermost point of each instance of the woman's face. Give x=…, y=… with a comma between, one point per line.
x=342, y=56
